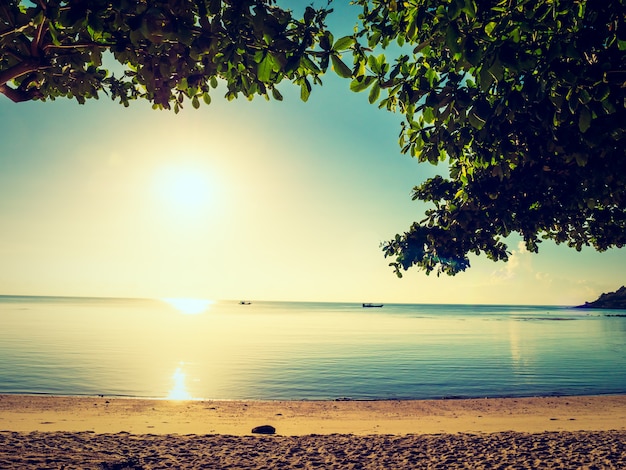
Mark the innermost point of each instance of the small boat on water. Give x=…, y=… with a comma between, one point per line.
x=244, y=302
x=372, y=305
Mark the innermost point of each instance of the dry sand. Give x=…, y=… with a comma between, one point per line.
x=42, y=432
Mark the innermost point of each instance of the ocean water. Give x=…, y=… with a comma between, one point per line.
x=301, y=350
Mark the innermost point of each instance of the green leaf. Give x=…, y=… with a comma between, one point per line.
x=581, y=159
x=373, y=64
x=265, y=69
x=381, y=60
x=452, y=38
x=374, y=92
x=305, y=90
x=361, y=83
x=340, y=68
x=475, y=120
x=489, y=27
x=515, y=35
x=429, y=115
x=325, y=43
x=431, y=76
x=360, y=70
x=485, y=78
x=454, y=9
x=309, y=14
x=195, y=102
x=309, y=64
x=584, y=96
x=470, y=9
x=602, y=92
x=54, y=34
x=411, y=31
x=277, y=95
x=584, y=119
x=343, y=43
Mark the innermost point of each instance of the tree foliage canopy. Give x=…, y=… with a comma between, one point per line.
x=169, y=50
x=524, y=100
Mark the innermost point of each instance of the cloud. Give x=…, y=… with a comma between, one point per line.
x=519, y=260
x=545, y=278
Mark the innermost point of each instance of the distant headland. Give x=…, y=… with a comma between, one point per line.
x=613, y=300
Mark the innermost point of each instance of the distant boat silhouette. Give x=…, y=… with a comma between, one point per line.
x=372, y=305
x=244, y=302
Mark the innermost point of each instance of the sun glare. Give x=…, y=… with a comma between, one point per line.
x=179, y=392
x=189, y=306
x=185, y=188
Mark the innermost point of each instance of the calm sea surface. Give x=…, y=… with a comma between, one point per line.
x=299, y=350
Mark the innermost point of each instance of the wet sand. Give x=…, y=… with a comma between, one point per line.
x=43, y=432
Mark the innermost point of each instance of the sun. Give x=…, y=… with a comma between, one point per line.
x=184, y=186
x=185, y=189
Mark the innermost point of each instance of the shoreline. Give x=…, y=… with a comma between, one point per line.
x=49, y=413
x=103, y=433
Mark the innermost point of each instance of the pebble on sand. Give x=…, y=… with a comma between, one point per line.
x=265, y=429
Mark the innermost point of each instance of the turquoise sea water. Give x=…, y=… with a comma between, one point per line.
x=300, y=350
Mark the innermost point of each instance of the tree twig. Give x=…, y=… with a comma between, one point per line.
x=77, y=45
x=8, y=32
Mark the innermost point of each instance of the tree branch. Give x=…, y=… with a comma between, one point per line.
x=17, y=95
x=6, y=76
x=36, y=43
x=18, y=70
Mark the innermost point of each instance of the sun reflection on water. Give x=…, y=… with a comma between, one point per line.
x=179, y=392
x=189, y=306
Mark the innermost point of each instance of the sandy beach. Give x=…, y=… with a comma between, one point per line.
x=45, y=432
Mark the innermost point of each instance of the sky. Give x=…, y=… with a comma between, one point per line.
x=250, y=200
